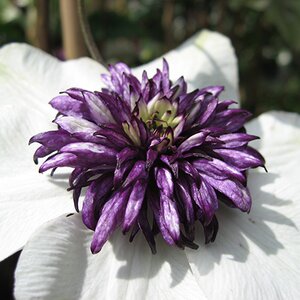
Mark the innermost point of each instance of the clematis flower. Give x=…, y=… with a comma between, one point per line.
x=150, y=150
x=255, y=255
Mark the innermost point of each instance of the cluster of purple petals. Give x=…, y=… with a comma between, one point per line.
x=157, y=181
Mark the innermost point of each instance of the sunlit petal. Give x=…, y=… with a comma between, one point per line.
x=256, y=256
x=57, y=264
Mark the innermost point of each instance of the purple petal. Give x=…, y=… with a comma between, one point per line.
x=211, y=230
x=80, y=178
x=171, y=163
x=155, y=206
x=75, y=175
x=115, y=80
x=186, y=200
x=169, y=217
x=206, y=198
x=75, y=93
x=189, y=169
x=193, y=141
x=73, y=125
x=134, y=204
x=179, y=128
x=143, y=130
x=89, y=136
x=218, y=169
x=241, y=158
x=223, y=105
x=164, y=181
x=231, y=120
x=137, y=172
x=92, y=153
x=53, y=140
x=116, y=139
x=214, y=90
x=59, y=160
x=110, y=218
x=146, y=229
x=178, y=88
x=208, y=110
x=119, y=109
x=234, y=190
x=121, y=172
x=157, y=79
x=187, y=101
x=165, y=77
x=150, y=158
x=122, y=68
x=98, y=111
x=70, y=107
x=41, y=152
x=125, y=155
x=235, y=140
x=93, y=198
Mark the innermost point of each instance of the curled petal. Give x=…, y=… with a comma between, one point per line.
x=207, y=110
x=242, y=159
x=110, y=218
x=93, y=199
x=234, y=190
x=138, y=171
x=193, y=141
x=164, y=181
x=186, y=200
x=206, y=199
x=69, y=106
x=92, y=153
x=121, y=172
x=211, y=230
x=236, y=140
x=125, y=155
x=74, y=125
x=231, y=120
x=169, y=217
x=53, y=140
x=97, y=109
x=134, y=204
x=151, y=157
x=218, y=169
x=60, y=160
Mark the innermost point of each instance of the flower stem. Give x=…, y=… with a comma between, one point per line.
x=73, y=41
x=87, y=34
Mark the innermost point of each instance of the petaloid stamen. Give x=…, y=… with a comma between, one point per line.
x=155, y=158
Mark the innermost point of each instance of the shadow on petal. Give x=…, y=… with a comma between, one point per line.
x=241, y=235
x=237, y=231
x=143, y=264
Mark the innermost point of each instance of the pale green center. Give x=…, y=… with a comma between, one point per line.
x=159, y=115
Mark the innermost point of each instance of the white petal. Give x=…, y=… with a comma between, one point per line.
x=57, y=264
x=207, y=58
x=29, y=79
x=28, y=75
x=256, y=256
x=27, y=198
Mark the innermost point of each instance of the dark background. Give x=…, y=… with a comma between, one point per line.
x=264, y=33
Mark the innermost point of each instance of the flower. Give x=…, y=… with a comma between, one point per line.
x=56, y=262
x=150, y=150
x=25, y=111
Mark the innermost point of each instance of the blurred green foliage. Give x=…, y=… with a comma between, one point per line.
x=265, y=34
